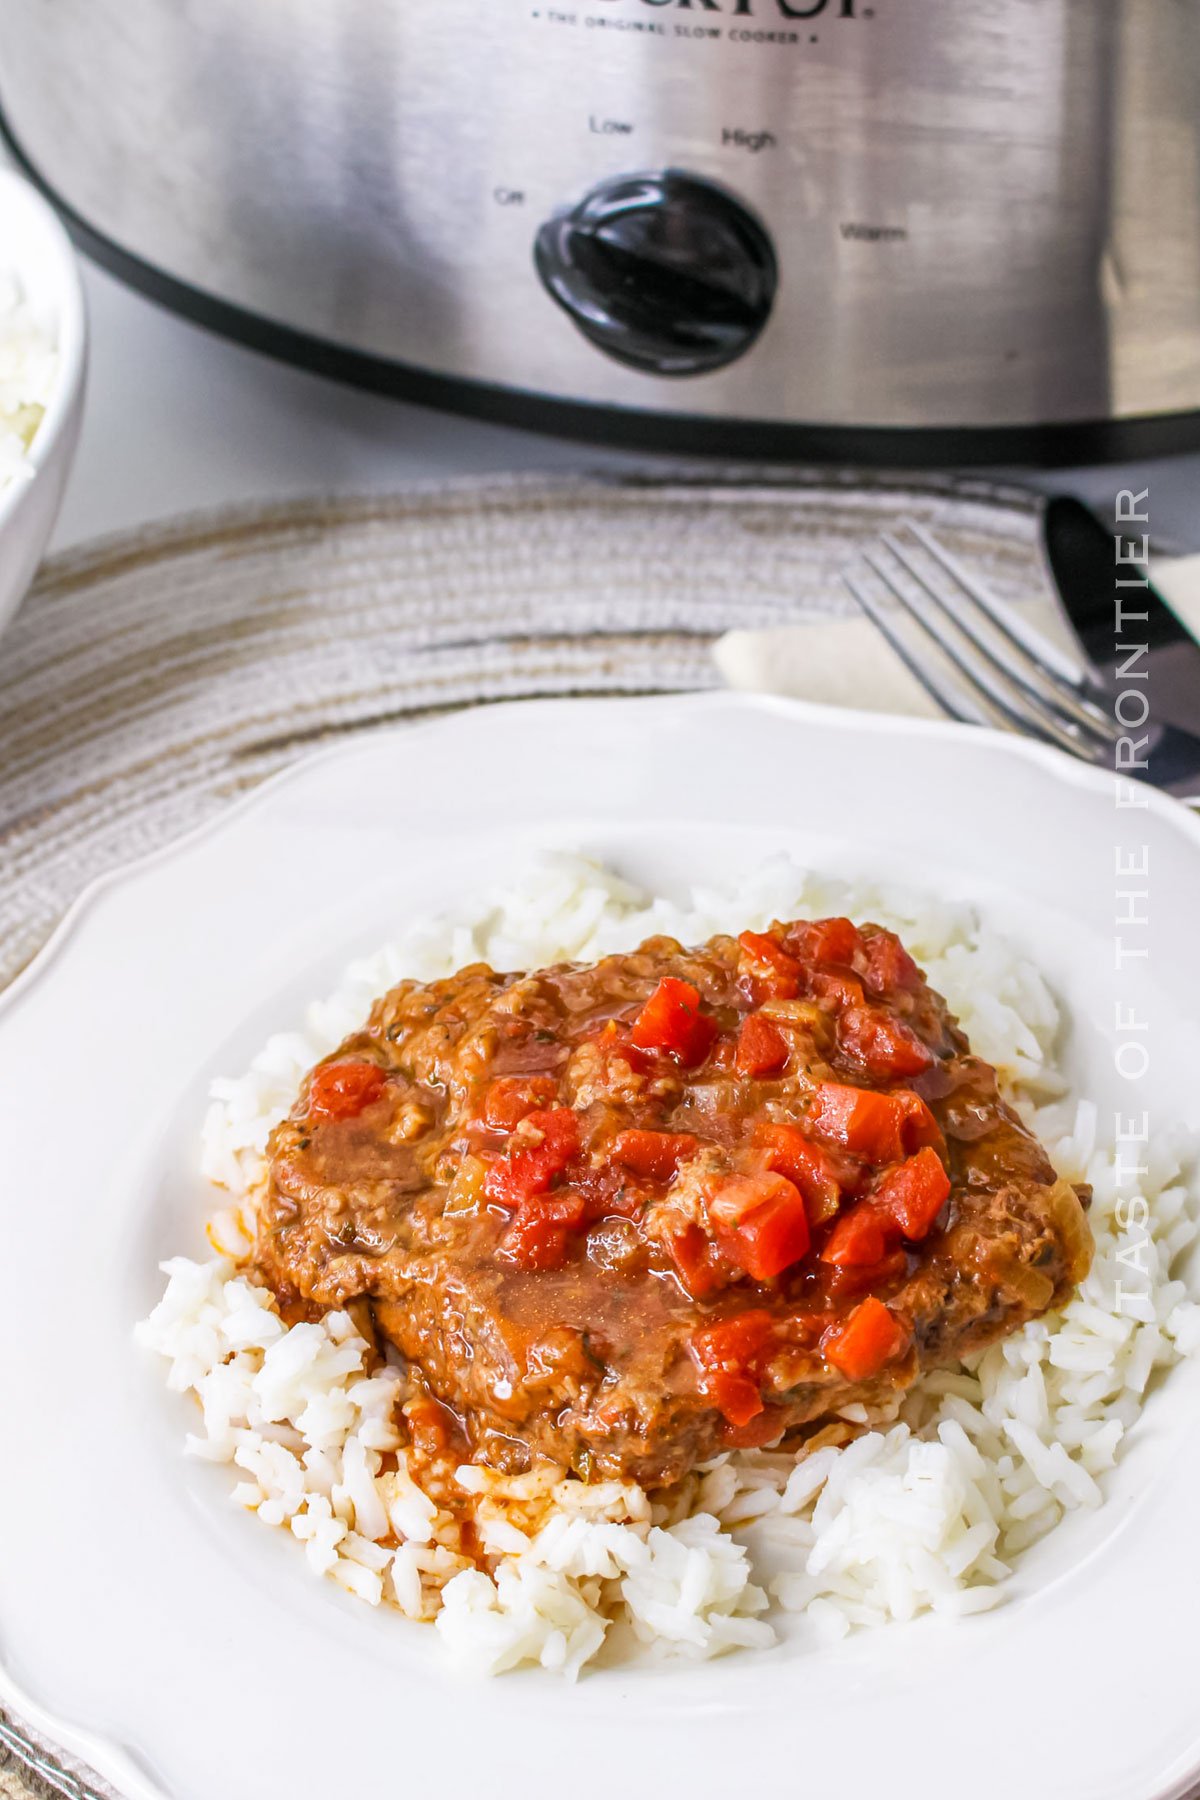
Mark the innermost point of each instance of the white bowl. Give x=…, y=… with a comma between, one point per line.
x=34, y=247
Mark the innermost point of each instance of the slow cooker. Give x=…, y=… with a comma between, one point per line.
x=909, y=229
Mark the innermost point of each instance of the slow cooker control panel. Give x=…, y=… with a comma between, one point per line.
x=664, y=271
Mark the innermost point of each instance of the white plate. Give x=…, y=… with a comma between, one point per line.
x=181, y=1648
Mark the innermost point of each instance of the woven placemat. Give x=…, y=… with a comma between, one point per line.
x=152, y=676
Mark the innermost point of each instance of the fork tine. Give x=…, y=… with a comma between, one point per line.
x=1039, y=648
x=1021, y=711
x=946, y=694
x=1037, y=682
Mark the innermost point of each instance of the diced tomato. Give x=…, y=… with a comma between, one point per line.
x=540, y=1234
x=871, y=1337
x=777, y=975
x=344, y=1089
x=534, y=1242
x=671, y=1021
x=736, y=1396
x=859, y=1238
x=608, y=1192
x=654, y=1155
x=858, y=1278
x=826, y=940
x=836, y=988
x=699, y=1264
x=882, y=1128
x=885, y=1046
x=548, y=1145
x=730, y=1354
x=801, y=1325
x=810, y=1166
x=614, y=1039
x=889, y=966
x=768, y=1424
x=512, y=1097
x=762, y=1223
x=914, y=1194
x=737, y=1341
x=761, y=1047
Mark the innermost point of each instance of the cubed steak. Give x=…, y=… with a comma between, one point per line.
x=629, y=1214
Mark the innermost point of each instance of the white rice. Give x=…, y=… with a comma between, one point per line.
x=28, y=366
x=927, y=1514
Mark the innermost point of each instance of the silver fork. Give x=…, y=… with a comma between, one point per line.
x=999, y=669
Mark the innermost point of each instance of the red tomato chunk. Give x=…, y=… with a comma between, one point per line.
x=342, y=1090
x=671, y=1022
x=906, y=1204
x=540, y=1234
x=761, y=1223
x=884, y=1046
x=889, y=966
x=766, y=1427
x=846, y=1279
x=737, y=1397
x=762, y=1048
x=730, y=1354
x=858, y=1240
x=882, y=1128
x=811, y=1167
x=867, y=1341
x=654, y=1155
x=827, y=940
x=776, y=975
x=513, y=1097
x=914, y=1194
x=837, y=989
x=701, y=1268
x=548, y=1144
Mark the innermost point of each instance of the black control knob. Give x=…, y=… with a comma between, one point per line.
x=663, y=271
